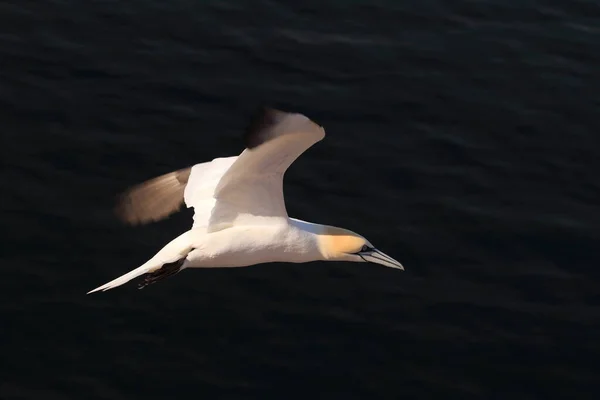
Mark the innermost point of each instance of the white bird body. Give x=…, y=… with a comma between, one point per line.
x=240, y=217
x=253, y=245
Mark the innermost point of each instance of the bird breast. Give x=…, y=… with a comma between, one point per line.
x=248, y=245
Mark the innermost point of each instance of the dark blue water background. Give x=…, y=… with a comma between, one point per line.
x=463, y=140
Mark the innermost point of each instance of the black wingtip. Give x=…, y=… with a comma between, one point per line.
x=257, y=131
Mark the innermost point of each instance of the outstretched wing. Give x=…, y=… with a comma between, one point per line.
x=160, y=197
x=230, y=190
x=200, y=190
x=153, y=199
x=251, y=190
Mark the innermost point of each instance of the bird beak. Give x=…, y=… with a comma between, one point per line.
x=377, y=257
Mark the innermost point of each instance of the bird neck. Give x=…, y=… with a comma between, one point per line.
x=334, y=243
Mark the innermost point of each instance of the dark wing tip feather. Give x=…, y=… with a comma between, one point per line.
x=259, y=129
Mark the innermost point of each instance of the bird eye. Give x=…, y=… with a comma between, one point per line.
x=364, y=248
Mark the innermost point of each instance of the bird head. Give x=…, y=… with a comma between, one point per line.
x=338, y=244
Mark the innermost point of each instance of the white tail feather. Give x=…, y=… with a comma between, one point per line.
x=144, y=269
x=173, y=251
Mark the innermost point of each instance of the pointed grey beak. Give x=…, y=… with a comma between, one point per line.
x=377, y=257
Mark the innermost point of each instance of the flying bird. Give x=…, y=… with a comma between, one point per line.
x=240, y=218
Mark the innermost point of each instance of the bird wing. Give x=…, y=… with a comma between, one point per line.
x=159, y=197
x=230, y=190
x=200, y=190
x=251, y=190
x=153, y=199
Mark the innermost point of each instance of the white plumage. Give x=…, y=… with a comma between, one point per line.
x=200, y=189
x=240, y=217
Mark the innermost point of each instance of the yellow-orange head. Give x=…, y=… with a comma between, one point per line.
x=338, y=244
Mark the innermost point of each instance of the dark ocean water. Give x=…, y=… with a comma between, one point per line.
x=463, y=140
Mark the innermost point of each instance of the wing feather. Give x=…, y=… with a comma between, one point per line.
x=231, y=190
x=252, y=188
x=154, y=199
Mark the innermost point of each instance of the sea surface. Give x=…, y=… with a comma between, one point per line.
x=463, y=139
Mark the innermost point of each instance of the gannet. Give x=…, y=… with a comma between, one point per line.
x=240, y=218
